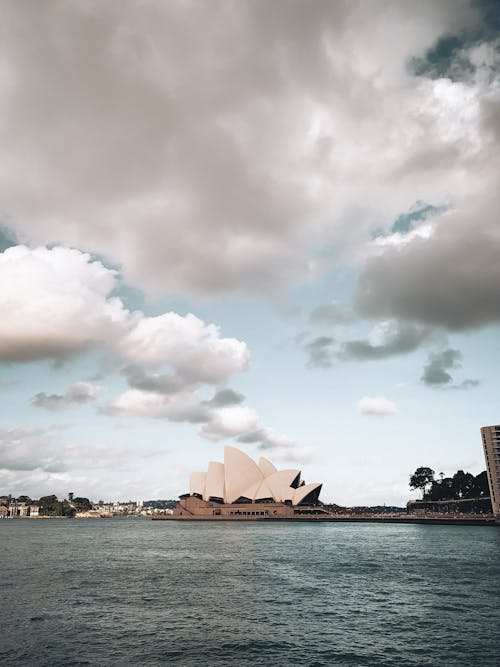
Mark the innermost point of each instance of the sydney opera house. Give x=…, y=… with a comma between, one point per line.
x=240, y=488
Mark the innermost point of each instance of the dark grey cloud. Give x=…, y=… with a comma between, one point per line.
x=320, y=351
x=437, y=370
x=80, y=393
x=225, y=397
x=403, y=338
x=160, y=383
x=251, y=438
x=331, y=313
x=437, y=367
x=449, y=280
x=490, y=118
x=242, y=124
x=195, y=413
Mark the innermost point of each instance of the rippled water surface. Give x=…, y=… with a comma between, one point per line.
x=136, y=592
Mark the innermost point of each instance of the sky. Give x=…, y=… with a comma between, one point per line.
x=269, y=225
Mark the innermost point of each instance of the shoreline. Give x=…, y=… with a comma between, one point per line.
x=488, y=520
x=455, y=521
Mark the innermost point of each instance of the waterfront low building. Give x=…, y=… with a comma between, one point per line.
x=462, y=506
x=240, y=488
x=23, y=509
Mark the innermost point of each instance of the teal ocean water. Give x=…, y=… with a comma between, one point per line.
x=136, y=592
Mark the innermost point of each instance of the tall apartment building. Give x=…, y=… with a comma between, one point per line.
x=491, y=445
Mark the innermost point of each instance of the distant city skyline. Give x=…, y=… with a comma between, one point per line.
x=268, y=225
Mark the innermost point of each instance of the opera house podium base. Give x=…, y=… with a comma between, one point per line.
x=241, y=490
x=192, y=508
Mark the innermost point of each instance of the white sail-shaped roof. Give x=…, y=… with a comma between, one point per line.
x=266, y=466
x=251, y=491
x=240, y=472
x=214, y=487
x=263, y=491
x=258, y=491
x=240, y=477
x=197, y=483
x=279, y=483
x=303, y=491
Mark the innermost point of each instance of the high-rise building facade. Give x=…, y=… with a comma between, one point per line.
x=491, y=445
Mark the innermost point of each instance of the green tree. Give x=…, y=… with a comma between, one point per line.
x=463, y=484
x=49, y=506
x=447, y=488
x=421, y=479
x=441, y=489
x=481, y=486
x=52, y=506
x=66, y=509
x=82, y=504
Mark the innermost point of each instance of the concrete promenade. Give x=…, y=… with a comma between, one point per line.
x=483, y=520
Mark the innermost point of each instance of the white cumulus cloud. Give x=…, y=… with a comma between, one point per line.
x=376, y=405
x=56, y=302
x=180, y=406
x=194, y=349
x=229, y=422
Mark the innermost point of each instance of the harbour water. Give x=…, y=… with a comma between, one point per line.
x=135, y=592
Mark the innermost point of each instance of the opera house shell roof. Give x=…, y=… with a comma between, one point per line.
x=241, y=480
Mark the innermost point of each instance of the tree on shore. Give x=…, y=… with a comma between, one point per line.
x=481, y=486
x=421, y=479
x=82, y=504
x=462, y=486
x=52, y=506
x=441, y=489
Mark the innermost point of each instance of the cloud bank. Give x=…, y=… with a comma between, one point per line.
x=57, y=303
x=220, y=150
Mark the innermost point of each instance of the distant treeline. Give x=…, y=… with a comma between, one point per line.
x=462, y=485
x=52, y=506
x=161, y=504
